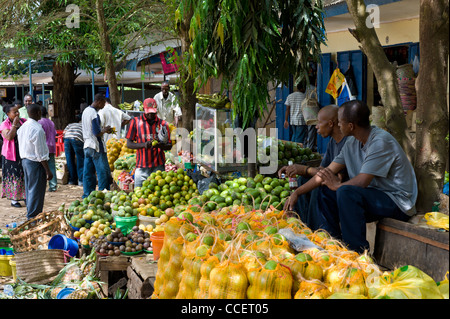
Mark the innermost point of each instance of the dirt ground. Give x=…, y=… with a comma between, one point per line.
x=64, y=194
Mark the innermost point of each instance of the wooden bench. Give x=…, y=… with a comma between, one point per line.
x=400, y=243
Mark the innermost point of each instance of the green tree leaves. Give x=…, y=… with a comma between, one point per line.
x=251, y=44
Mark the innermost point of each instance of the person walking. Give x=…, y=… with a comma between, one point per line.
x=13, y=181
x=50, y=134
x=142, y=133
x=95, y=158
x=73, y=148
x=294, y=113
x=34, y=153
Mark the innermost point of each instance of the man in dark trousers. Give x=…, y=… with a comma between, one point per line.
x=34, y=153
x=382, y=182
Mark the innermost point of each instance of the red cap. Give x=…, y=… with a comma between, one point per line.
x=149, y=105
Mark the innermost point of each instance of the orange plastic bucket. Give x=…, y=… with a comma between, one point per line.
x=157, y=239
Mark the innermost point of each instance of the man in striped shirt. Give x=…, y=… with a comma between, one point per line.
x=150, y=135
x=73, y=148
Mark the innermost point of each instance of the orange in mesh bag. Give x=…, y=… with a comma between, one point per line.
x=173, y=271
x=296, y=267
x=314, y=289
x=190, y=277
x=164, y=257
x=204, y=283
x=273, y=244
x=228, y=281
x=195, y=253
x=273, y=281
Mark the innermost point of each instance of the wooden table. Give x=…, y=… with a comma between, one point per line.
x=108, y=264
x=140, y=274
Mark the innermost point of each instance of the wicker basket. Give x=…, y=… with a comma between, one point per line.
x=39, y=266
x=38, y=231
x=405, y=71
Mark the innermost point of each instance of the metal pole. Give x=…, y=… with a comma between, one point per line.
x=123, y=94
x=93, y=86
x=43, y=94
x=15, y=91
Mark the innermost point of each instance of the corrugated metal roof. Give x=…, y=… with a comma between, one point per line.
x=327, y=3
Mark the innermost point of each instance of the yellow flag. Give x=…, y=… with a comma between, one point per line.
x=336, y=80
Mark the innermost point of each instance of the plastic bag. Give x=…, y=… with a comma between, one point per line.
x=310, y=108
x=443, y=286
x=203, y=185
x=437, y=220
x=297, y=242
x=407, y=282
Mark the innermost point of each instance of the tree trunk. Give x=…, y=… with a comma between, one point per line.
x=432, y=107
x=64, y=94
x=186, y=82
x=114, y=93
x=384, y=73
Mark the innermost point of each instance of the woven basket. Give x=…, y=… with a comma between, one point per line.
x=37, y=232
x=405, y=71
x=39, y=266
x=407, y=92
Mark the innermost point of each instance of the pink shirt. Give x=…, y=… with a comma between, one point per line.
x=9, y=148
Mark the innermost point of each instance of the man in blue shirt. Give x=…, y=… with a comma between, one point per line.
x=382, y=182
x=306, y=204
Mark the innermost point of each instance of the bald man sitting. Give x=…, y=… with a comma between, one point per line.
x=306, y=205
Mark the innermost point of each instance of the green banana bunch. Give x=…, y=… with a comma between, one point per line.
x=215, y=100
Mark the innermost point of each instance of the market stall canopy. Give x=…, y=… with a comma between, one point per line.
x=85, y=77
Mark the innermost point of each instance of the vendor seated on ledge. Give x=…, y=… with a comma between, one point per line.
x=382, y=182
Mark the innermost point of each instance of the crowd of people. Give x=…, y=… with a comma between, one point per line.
x=364, y=176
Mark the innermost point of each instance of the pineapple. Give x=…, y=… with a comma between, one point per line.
x=55, y=291
x=87, y=267
x=78, y=294
x=73, y=273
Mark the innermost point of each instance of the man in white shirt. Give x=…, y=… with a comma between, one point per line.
x=167, y=105
x=33, y=150
x=114, y=117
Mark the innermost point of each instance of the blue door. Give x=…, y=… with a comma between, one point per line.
x=323, y=77
x=358, y=62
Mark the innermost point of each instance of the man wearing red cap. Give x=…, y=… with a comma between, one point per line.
x=150, y=135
